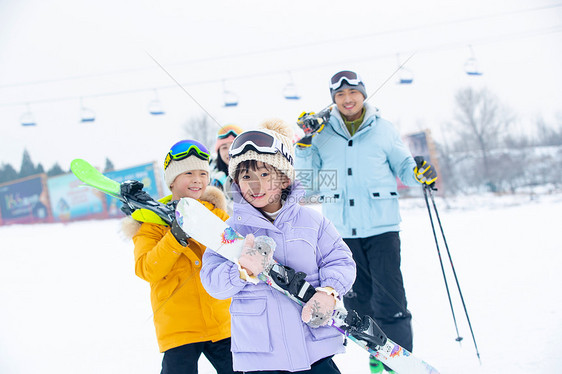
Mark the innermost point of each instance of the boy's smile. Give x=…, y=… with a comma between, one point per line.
x=192, y=184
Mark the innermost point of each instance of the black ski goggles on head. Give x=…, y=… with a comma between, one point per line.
x=184, y=149
x=353, y=79
x=260, y=142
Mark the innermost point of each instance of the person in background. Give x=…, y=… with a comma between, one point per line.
x=362, y=154
x=271, y=333
x=187, y=319
x=219, y=166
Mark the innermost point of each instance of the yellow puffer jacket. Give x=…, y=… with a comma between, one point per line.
x=183, y=311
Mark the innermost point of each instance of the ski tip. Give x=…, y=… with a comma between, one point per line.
x=77, y=162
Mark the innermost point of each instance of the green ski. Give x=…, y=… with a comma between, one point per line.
x=92, y=177
x=130, y=192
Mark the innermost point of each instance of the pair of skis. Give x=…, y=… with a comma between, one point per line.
x=202, y=225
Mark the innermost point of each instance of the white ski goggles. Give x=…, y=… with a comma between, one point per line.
x=260, y=142
x=352, y=78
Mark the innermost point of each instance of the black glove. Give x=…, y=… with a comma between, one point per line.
x=311, y=123
x=133, y=190
x=173, y=204
x=175, y=228
x=424, y=172
x=178, y=233
x=126, y=209
x=305, y=141
x=131, y=187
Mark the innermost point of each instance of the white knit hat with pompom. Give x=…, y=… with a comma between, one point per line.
x=280, y=130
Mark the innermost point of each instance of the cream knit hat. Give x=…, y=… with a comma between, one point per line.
x=280, y=130
x=177, y=167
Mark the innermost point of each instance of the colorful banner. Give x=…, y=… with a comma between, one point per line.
x=72, y=200
x=25, y=201
x=143, y=173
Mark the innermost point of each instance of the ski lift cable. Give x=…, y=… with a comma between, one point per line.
x=281, y=49
x=377, y=89
x=442, y=47
x=390, y=77
x=382, y=84
x=183, y=88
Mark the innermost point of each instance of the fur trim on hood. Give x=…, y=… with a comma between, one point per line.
x=215, y=196
x=130, y=226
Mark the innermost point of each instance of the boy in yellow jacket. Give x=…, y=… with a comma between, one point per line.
x=188, y=320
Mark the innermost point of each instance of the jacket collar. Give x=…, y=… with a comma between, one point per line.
x=338, y=124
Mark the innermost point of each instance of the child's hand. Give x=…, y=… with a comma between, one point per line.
x=319, y=309
x=257, y=254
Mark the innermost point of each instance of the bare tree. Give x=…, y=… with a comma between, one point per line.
x=549, y=135
x=482, y=125
x=479, y=153
x=203, y=129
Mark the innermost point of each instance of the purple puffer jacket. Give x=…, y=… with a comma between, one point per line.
x=267, y=330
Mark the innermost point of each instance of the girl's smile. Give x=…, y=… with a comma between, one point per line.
x=262, y=187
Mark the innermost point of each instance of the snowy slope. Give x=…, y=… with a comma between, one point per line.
x=72, y=304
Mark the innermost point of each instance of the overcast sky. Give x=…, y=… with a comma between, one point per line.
x=54, y=52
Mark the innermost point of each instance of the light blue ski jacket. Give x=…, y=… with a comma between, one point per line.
x=355, y=176
x=267, y=330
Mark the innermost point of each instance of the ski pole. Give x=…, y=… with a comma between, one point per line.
x=429, y=188
x=425, y=193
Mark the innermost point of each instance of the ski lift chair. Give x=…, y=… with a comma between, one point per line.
x=86, y=114
x=290, y=92
x=155, y=106
x=471, y=64
x=27, y=119
x=230, y=99
x=406, y=76
x=471, y=67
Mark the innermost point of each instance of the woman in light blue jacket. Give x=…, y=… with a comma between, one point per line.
x=268, y=332
x=352, y=163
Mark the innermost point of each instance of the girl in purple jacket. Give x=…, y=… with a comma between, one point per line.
x=270, y=332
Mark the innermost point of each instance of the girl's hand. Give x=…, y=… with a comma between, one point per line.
x=319, y=309
x=257, y=254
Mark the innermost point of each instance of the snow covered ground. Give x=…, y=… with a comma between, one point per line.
x=70, y=302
